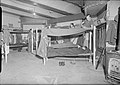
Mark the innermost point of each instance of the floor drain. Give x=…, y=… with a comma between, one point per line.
x=61, y=63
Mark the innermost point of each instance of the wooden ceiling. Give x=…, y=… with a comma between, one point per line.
x=79, y=3
x=46, y=9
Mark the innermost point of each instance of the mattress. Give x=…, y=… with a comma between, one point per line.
x=68, y=51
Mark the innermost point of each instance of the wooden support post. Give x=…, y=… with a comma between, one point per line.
x=90, y=41
x=90, y=46
x=36, y=38
x=44, y=60
x=94, y=46
x=32, y=41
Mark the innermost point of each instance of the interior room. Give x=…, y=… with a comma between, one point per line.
x=60, y=42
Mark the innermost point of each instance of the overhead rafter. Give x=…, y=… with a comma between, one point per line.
x=26, y=7
x=60, y=5
x=93, y=7
x=21, y=13
x=102, y=10
x=66, y=18
x=78, y=3
x=32, y=21
x=45, y=7
x=22, y=10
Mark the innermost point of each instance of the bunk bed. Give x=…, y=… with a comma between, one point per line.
x=16, y=35
x=69, y=49
x=64, y=49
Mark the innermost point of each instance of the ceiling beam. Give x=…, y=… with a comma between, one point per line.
x=16, y=8
x=95, y=9
x=102, y=10
x=67, y=18
x=20, y=13
x=60, y=5
x=45, y=7
x=31, y=8
x=78, y=3
x=32, y=21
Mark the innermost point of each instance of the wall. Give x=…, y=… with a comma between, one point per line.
x=112, y=9
x=27, y=27
x=10, y=19
x=92, y=2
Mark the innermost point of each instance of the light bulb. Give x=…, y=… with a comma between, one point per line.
x=34, y=13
